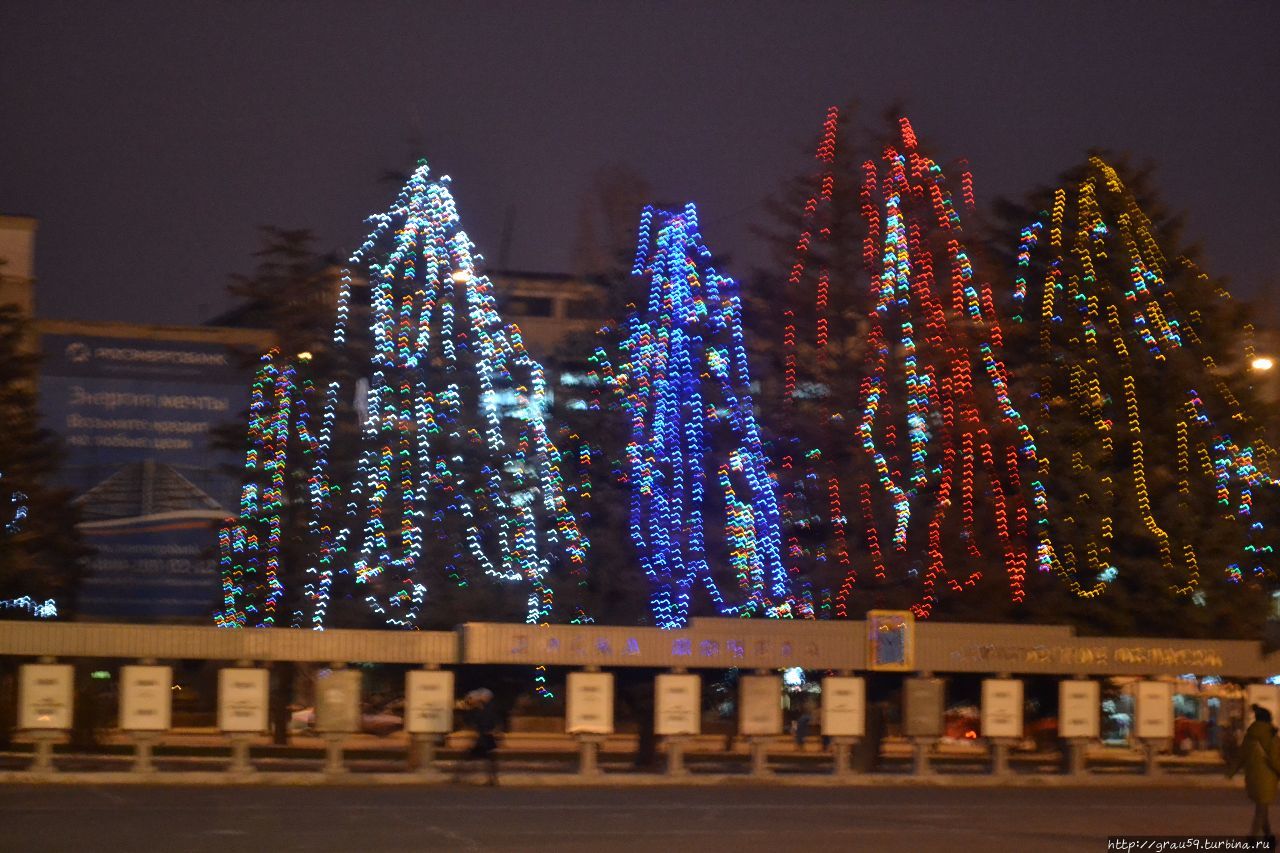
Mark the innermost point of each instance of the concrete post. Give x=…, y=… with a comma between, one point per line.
x=1000, y=756
x=43, y=743
x=143, y=743
x=333, y=764
x=1151, y=766
x=920, y=747
x=1076, y=756
x=240, y=753
x=588, y=754
x=675, y=756
x=423, y=752
x=840, y=749
x=760, y=757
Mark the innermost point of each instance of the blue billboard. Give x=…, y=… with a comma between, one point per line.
x=135, y=415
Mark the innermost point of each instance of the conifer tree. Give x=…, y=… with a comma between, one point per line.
x=1158, y=477
x=41, y=553
x=458, y=483
x=900, y=454
x=704, y=513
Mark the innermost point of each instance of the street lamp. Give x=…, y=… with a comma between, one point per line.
x=1262, y=363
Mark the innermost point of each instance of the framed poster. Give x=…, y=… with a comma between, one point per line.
x=146, y=698
x=428, y=701
x=891, y=642
x=242, y=699
x=1153, y=710
x=923, y=697
x=844, y=706
x=677, y=704
x=760, y=705
x=589, y=705
x=338, y=700
x=45, y=696
x=1079, y=708
x=1001, y=707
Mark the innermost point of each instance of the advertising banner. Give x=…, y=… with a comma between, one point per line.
x=1153, y=717
x=428, y=701
x=146, y=698
x=1002, y=708
x=338, y=700
x=45, y=696
x=1079, y=708
x=844, y=706
x=761, y=705
x=923, y=698
x=242, y=699
x=135, y=415
x=677, y=705
x=589, y=709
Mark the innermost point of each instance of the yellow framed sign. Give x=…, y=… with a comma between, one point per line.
x=891, y=640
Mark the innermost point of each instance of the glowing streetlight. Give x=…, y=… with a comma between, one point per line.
x=1262, y=363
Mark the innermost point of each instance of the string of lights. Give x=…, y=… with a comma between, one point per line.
x=946, y=445
x=1120, y=342
x=695, y=456
x=456, y=468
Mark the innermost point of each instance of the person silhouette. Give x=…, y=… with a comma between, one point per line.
x=1260, y=757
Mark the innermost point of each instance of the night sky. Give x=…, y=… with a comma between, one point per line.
x=152, y=139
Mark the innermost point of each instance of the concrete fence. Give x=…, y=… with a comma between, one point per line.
x=845, y=652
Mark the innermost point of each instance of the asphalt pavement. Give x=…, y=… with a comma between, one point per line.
x=704, y=819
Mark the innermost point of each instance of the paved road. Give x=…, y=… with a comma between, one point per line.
x=698, y=819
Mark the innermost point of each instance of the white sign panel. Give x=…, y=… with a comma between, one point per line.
x=1079, y=709
x=146, y=698
x=760, y=705
x=1153, y=717
x=428, y=701
x=677, y=705
x=1264, y=695
x=45, y=692
x=589, y=706
x=338, y=701
x=1002, y=707
x=844, y=706
x=242, y=699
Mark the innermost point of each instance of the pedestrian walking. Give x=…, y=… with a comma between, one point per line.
x=483, y=718
x=1260, y=757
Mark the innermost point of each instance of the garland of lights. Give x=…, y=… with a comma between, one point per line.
x=41, y=610
x=18, y=501
x=926, y=430
x=683, y=380
x=1104, y=323
x=456, y=468
x=249, y=547
x=940, y=447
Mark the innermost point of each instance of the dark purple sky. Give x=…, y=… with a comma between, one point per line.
x=151, y=139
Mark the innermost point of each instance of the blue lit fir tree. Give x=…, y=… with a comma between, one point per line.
x=703, y=510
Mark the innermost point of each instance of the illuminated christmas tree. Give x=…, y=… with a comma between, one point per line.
x=807, y=335
x=1144, y=416
x=704, y=513
x=269, y=536
x=913, y=485
x=457, y=480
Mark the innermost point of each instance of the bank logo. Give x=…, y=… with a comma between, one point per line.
x=78, y=353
